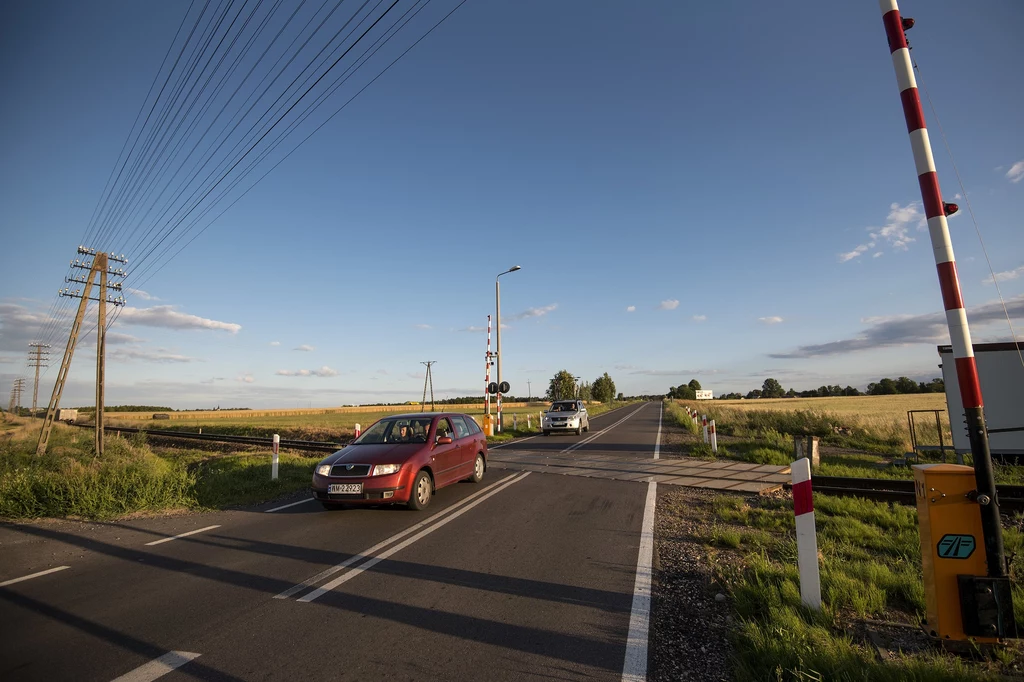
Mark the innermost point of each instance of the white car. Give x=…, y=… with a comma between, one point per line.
x=566, y=415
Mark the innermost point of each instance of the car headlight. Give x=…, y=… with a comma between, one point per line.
x=324, y=469
x=385, y=469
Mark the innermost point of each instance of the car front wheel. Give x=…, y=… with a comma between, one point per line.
x=421, y=491
x=478, y=469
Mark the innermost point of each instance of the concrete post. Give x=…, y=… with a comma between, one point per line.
x=273, y=462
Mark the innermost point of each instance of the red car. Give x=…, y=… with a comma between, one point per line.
x=403, y=459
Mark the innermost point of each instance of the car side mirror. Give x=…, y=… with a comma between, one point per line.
x=444, y=440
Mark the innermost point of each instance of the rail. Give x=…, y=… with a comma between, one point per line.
x=901, y=491
x=287, y=444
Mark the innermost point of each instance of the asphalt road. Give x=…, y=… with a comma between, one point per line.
x=526, y=575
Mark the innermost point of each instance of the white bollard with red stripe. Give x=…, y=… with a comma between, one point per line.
x=358, y=430
x=714, y=437
x=275, y=445
x=704, y=421
x=806, y=536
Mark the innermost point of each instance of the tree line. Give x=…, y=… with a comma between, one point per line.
x=771, y=388
x=564, y=386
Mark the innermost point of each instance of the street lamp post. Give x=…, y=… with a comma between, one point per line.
x=497, y=310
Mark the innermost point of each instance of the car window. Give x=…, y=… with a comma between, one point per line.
x=444, y=428
x=461, y=430
x=474, y=428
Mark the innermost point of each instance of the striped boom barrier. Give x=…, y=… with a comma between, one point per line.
x=487, y=370
x=806, y=536
x=949, y=283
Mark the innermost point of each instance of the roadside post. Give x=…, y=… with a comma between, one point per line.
x=358, y=430
x=515, y=422
x=273, y=466
x=704, y=421
x=806, y=536
x=714, y=437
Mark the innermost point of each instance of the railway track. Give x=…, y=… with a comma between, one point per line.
x=286, y=444
x=1011, y=497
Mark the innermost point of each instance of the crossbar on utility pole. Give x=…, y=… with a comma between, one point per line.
x=37, y=358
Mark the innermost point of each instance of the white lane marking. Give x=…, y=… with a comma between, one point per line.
x=34, y=575
x=182, y=535
x=384, y=543
x=158, y=667
x=308, y=499
x=606, y=429
x=634, y=668
x=345, y=577
x=657, y=440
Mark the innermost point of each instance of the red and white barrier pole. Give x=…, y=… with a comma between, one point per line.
x=704, y=422
x=273, y=462
x=806, y=536
x=935, y=211
x=714, y=437
x=487, y=371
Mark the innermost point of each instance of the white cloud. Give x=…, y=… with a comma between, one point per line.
x=877, y=254
x=1006, y=275
x=533, y=312
x=775, y=319
x=141, y=294
x=158, y=355
x=275, y=343
x=245, y=378
x=167, y=317
x=1016, y=172
x=699, y=318
x=422, y=326
x=630, y=309
x=669, y=304
x=305, y=348
x=324, y=371
x=895, y=232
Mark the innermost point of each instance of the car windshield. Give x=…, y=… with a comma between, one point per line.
x=396, y=430
x=563, y=407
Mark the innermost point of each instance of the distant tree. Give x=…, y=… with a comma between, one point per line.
x=850, y=390
x=756, y=393
x=937, y=386
x=884, y=386
x=603, y=388
x=791, y=393
x=906, y=385
x=562, y=386
x=772, y=389
x=694, y=384
x=620, y=397
x=585, y=391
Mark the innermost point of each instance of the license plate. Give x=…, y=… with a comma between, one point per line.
x=344, y=488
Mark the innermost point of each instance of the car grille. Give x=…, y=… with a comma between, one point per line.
x=356, y=470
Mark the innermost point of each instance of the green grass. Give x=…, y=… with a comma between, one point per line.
x=870, y=567
x=132, y=477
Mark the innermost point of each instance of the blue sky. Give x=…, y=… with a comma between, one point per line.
x=722, y=191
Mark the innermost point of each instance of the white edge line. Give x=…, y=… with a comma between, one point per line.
x=34, y=575
x=309, y=582
x=657, y=440
x=182, y=535
x=322, y=590
x=158, y=667
x=634, y=667
x=285, y=506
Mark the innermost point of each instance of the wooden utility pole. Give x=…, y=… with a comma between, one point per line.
x=98, y=266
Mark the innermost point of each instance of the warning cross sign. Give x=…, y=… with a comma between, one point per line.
x=956, y=546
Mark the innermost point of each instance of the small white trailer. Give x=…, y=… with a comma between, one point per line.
x=1001, y=374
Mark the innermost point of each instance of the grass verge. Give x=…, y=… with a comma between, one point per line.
x=132, y=477
x=870, y=569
